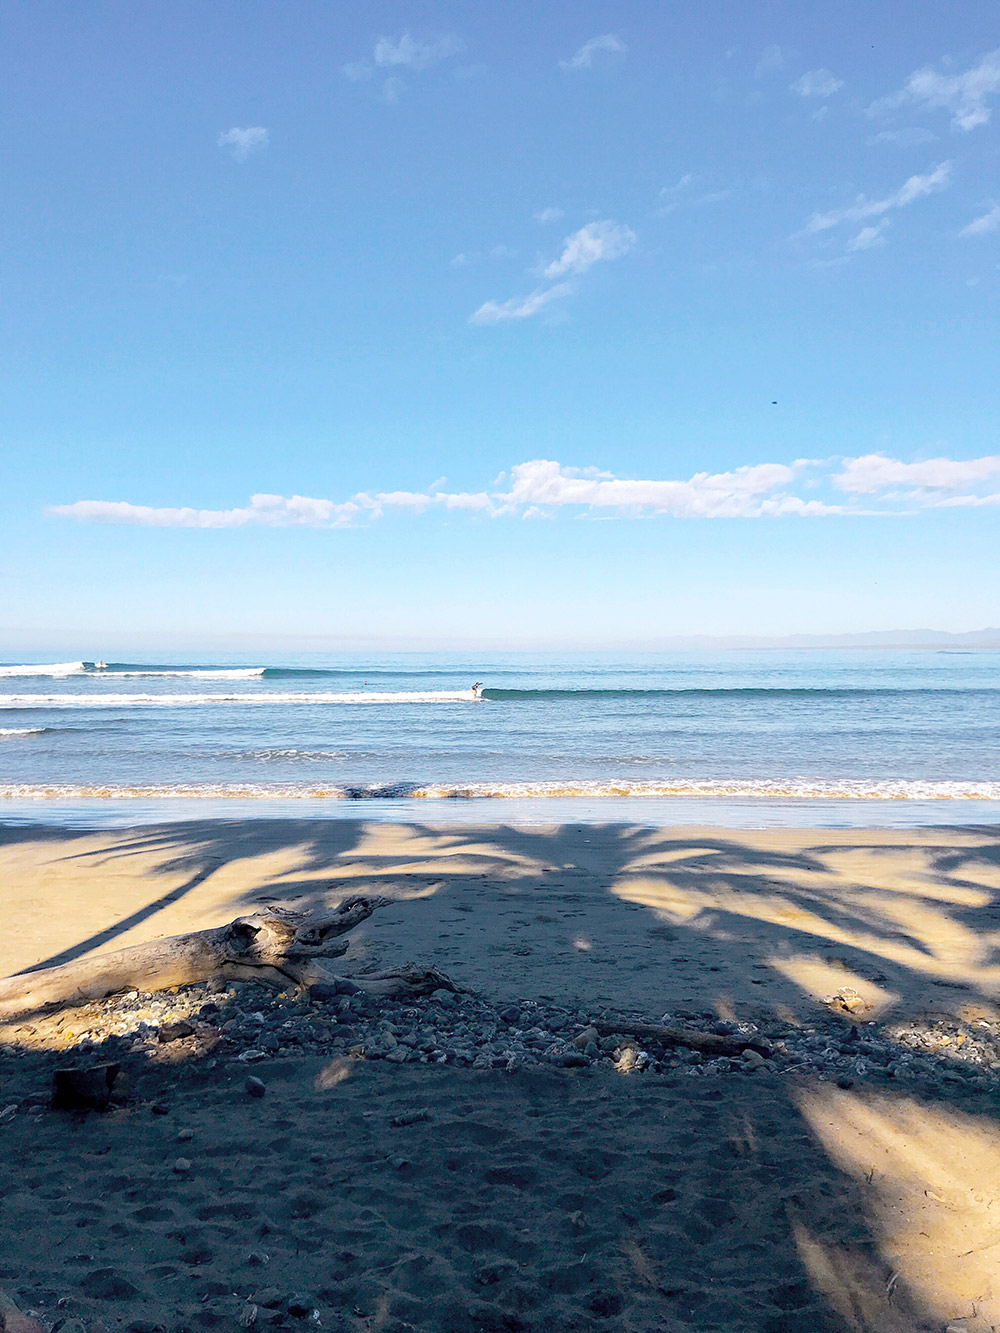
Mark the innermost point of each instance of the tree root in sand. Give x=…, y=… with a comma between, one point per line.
x=275, y=945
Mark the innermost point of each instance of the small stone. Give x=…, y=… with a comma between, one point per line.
x=323, y=991
x=845, y=1083
x=255, y=1088
x=752, y=1059
x=182, y=1166
x=257, y=1259
x=175, y=1031
x=301, y=1304
x=160, y=1108
x=583, y=1039
x=399, y=1163
x=145, y=1326
x=511, y=1014
x=185, y=1135
x=268, y=1297
x=573, y=1060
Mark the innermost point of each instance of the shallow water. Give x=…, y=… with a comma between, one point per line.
x=762, y=736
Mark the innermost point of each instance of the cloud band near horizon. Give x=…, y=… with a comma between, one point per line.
x=872, y=485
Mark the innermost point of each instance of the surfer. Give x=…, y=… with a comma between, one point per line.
x=100, y=666
x=476, y=689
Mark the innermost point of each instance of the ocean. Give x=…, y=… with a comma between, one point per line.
x=742, y=737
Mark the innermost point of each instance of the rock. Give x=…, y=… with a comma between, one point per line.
x=323, y=991
x=60, y=1326
x=752, y=1059
x=185, y=1135
x=301, y=1304
x=257, y=1259
x=347, y=987
x=268, y=1297
x=175, y=1032
x=83, y=1089
x=160, y=1108
x=145, y=1326
x=255, y=1088
x=573, y=1060
x=583, y=1039
x=511, y=1014
x=107, y=1284
x=182, y=1166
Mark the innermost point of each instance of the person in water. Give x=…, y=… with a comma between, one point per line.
x=476, y=689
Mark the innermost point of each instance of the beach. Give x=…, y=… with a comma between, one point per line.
x=843, y=1182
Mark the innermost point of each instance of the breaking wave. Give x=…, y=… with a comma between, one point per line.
x=45, y=669
x=22, y=731
x=775, y=789
x=269, y=697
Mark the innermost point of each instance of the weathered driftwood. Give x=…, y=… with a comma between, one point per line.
x=707, y=1042
x=274, y=945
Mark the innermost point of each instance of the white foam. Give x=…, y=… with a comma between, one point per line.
x=21, y=731
x=207, y=673
x=775, y=789
x=103, y=700
x=45, y=669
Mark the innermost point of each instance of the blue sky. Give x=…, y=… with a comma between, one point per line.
x=463, y=323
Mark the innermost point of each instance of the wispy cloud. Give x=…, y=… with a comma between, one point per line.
x=772, y=59
x=871, y=485
x=406, y=52
x=241, y=142
x=983, y=226
x=545, y=215
x=589, y=245
x=964, y=95
x=868, y=237
x=519, y=307
x=916, y=187
x=910, y=136
x=686, y=193
x=593, y=243
x=607, y=44
x=817, y=83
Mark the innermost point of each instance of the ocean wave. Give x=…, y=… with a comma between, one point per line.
x=187, y=673
x=497, y=695
x=771, y=789
x=22, y=731
x=45, y=669
x=268, y=697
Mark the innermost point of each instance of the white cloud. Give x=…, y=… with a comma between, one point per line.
x=868, y=237
x=404, y=52
x=870, y=486
x=772, y=59
x=911, y=136
x=549, y=215
x=875, y=472
x=983, y=226
x=964, y=95
x=519, y=307
x=414, y=54
x=916, y=187
x=609, y=43
x=242, y=142
x=276, y=511
x=595, y=241
x=817, y=83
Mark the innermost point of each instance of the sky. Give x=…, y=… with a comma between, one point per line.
x=561, y=323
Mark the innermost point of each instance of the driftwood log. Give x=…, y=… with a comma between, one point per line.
x=274, y=945
x=707, y=1042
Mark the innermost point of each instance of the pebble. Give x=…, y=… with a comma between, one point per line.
x=185, y=1135
x=182, y=1166
x=256, y=1088
x=301, y=1304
